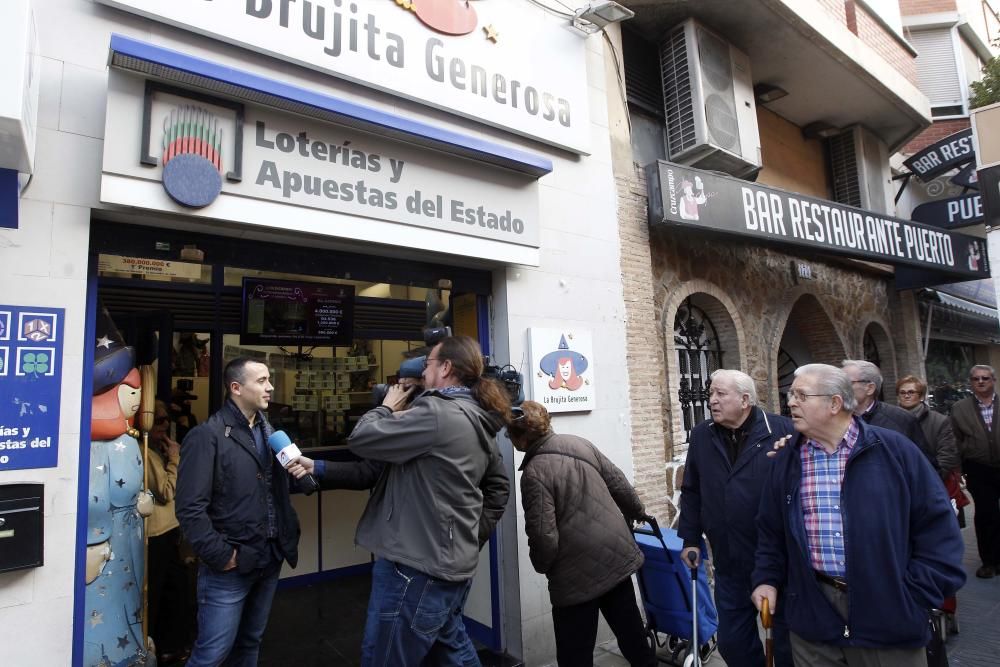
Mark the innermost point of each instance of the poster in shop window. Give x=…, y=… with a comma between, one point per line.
x=30, y=385
x=562, y=369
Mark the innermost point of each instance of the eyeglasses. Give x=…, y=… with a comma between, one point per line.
x=982, y=378
x=862, y=382
x=430, y=359
x=517, y=414
x=159, y=421
x=801, y=396
x=907, y=392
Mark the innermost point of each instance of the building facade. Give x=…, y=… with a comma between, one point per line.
x=820, y=95
x=174, y=160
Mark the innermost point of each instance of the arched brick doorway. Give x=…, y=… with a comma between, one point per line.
x=809, y=337
x=877, y=348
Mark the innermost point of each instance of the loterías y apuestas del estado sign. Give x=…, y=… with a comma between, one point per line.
x=489, y=73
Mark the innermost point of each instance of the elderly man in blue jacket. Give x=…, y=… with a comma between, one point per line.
x=727, y=465
x=856, y=531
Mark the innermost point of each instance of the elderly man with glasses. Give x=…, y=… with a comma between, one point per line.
x=866, y=382
x=974, y=420
x=856, y=531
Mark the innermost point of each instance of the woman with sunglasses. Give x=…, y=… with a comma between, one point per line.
x=578, y=508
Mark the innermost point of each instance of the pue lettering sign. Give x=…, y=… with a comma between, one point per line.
x=382, y=46
x=685, y=196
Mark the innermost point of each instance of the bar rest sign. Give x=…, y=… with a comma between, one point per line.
x=30, y=385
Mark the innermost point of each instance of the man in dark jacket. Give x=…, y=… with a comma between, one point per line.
x=727, y=465
x=976, y=423
x=857, y=532
x=866, y=381
x=232, y=504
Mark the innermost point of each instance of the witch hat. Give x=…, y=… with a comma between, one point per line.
x=550, y=360
x=113, y=359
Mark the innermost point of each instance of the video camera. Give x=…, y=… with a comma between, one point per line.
x=507, y=375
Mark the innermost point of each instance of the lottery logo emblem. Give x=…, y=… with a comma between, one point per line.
x=192, y=156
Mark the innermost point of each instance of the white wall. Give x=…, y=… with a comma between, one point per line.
x=44, y=263
x=579, y=283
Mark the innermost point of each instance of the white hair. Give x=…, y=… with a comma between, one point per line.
x=831, y=381
x=867, y=371
x=744, y=383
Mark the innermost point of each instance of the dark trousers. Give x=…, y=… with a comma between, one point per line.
x=739, y=637
x=169, y=603
x=576, y=628
x=983, y=483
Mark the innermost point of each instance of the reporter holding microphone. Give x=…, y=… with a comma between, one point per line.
x=233, y=507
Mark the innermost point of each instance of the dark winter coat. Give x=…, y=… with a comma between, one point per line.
x=903, y=546
x=577, y=511
x=939, y=434
x=901, y=421
x=720, y=499
x=975, y=443
x=221, y=500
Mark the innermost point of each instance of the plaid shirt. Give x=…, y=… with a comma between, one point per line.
x=822, y=477
x=986, y=410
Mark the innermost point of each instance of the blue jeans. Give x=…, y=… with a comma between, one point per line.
x=739, y=639
x=414, y=619
x=232, y=614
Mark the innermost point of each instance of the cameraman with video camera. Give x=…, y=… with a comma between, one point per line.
x=441, y=488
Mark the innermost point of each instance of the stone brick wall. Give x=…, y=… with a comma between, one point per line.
x=937, y=131
x=644, y=351
x=884, y=42
x=911, y=7
x=836, y=8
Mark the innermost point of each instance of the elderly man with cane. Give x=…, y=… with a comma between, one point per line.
x=857, y=532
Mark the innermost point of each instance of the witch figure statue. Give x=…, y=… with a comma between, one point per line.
x=113, y=635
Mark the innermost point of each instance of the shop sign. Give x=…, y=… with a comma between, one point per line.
x=562, y=369
x=951, y=213
x=989, y=186
x=478, y=60
x=306, y=166
x=31, y=341
x=683, y=196
x=966, y=177
x=953, y=150
x=144, y=266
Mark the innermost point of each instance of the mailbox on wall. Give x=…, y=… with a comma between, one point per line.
x=21, y=526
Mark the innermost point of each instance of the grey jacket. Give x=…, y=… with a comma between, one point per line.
x=975, y=443
x=577, y=505
x=427, y=509
x=938, y=433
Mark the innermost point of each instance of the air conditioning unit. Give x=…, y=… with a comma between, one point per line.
x=709, y=102
x=859, y=167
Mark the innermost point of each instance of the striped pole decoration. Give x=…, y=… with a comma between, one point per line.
x=190, y=130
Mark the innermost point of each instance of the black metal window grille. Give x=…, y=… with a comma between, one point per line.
x=696, y=344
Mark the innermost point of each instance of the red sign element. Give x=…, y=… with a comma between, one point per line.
x=451, y=17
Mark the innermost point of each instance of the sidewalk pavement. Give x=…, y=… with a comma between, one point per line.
x=976, y=645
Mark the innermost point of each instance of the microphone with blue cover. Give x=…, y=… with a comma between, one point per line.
x=285, y=451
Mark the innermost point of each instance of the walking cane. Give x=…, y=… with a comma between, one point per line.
x=694, y=657
x=767, y=621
